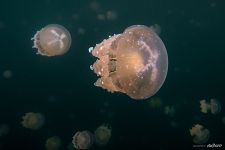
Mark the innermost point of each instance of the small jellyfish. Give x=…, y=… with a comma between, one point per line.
x=200, y=134
x=82, y=140
x=214, y=106
x=223, y=120
x=155, y=102
x=4, y=129
x=170, y=110
x=111, y=15
x=102, y=135
x=156, y=28
x=33, y=121
x=134, y=62
x=53, y=143
x=52, y=40
x=7, y=74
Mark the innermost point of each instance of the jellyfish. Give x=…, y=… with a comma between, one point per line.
x=156, y=28
x=200, y=134
x=134, y=62
x=170, y=110
x=7, y=74
x=33, y=120
x=53, y=143
x=214, y=106
x=155, y=102
x=52, y=40
x=82, y=140
x=4, y=129
x=223, y=120
x=102, y=134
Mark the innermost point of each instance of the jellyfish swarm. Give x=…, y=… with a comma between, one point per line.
x=52, y=40
x=200, y=134
x=134, y=62
x=82, y=140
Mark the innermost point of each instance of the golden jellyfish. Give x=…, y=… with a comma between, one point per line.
x=33, y=121
x=83, y=140
x=102, y=134
x=134, y=62
x=214, y=106
x=52, y=40
x=200, y=134
x=53, y=143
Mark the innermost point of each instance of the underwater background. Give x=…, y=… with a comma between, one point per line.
x=62, y=87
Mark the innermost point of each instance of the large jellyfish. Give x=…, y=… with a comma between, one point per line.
x=214, y=106
x=52, y=40
x=102, y=134
x=200, y=134
x=82, y=140
x=134, y=62
x=33, y=121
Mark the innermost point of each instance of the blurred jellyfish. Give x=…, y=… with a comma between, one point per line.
x=2, y=25
x=52, y=40
x=81, y=31
x=4, y=129
x=223, y=120
x=7, y=74
x=70, y=146
x=134, y=62
x=200, y=134
x=95, y=6
x=82, y=140
x=174, y=124
x=101, y=17
x=214, y=106
x=102, y=134
x=170, y=110
x=155, y=102
x=33, y=121
x=111, y=15
x=53, y=143
x=156, y=28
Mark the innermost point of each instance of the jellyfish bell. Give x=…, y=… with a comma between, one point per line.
x=200, y=134
x=102, y=134
x=215, y=106
x=82, y=140
x=134, y=62
x=53, y=143
x=33, y=121
x=52, y=40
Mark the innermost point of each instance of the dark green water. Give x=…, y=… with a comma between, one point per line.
x=62, y=88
